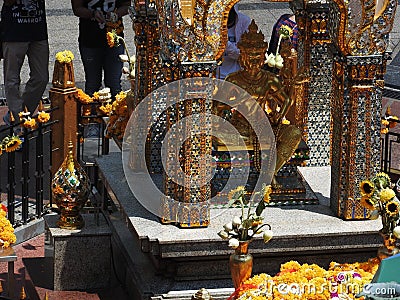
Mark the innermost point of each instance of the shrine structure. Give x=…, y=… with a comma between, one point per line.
x=342, y=47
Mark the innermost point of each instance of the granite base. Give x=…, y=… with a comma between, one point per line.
x=81, y=258
x=157, y=260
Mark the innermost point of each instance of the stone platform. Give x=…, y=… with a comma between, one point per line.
x=162, y=261
x=82, y=257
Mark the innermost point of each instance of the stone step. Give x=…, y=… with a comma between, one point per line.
x=163, y=258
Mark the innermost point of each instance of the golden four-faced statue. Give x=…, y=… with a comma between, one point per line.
x=267, y=89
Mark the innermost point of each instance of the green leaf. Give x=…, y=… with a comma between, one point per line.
x=260, y=208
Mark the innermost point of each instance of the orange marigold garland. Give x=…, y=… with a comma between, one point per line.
x=7, y=236
x=295, y=281
x=118, y=117
x=83, y=97
x=28, y=122
x=43, y=117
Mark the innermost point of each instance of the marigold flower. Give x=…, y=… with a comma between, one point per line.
x=7, y=236
x=65, y=56
x=387, y=194
x=392, y=121
x=106, y=109
x=30, y=123
x=384, y=130
x=385, y=122
x=43, y=117
x=83, y=97
x=3, y=207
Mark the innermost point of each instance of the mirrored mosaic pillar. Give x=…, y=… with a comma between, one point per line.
x=356, y=112
x=187, y=203
x=360, y=32
x=314, y=54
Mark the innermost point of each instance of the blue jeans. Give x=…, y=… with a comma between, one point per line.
x=95, y=60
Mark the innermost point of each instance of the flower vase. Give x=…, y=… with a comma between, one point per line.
x=389, y=246
x=241, y=264
x=63, y=75
x=70, y=190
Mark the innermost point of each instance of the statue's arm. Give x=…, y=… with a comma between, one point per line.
x=277, y=95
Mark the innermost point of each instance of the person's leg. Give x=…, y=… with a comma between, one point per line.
x=38, y=59
x=92, y=59
x=113, y=69
x=14, y=55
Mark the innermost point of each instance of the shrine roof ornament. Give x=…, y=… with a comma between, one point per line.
x=203, y=40
x=364, y=29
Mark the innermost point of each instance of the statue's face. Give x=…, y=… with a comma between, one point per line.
x=252, y=60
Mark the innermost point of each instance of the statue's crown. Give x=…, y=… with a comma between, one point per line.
x=252, y=38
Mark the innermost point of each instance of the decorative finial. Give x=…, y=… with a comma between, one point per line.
x=46, y=296
x=41, y=108
x=12, y=119
x=252, y=38
x=202, y=294
x=22, y=295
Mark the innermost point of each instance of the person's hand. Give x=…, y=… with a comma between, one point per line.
x=112, y=17
x=9, y=2
x=99, y=16
x=231, y=50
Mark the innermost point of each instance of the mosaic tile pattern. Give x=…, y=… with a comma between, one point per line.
x=356, y=132
x=318, y=110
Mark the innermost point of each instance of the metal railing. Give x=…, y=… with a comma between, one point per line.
x=23, y=173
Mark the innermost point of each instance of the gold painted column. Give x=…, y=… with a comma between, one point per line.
x=63, y=97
